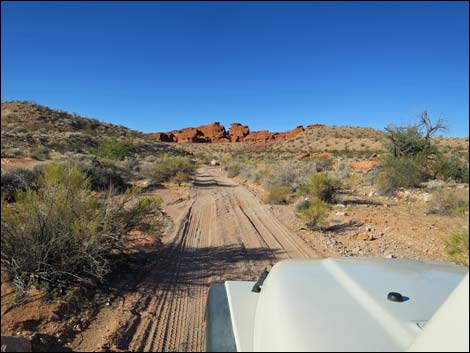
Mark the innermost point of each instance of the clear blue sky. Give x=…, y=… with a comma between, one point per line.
x=162, y=66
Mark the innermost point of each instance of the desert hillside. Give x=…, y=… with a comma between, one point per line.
x=33, y=130
x=136, y=223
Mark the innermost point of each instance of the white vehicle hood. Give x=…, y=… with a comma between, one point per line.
x=340, y=304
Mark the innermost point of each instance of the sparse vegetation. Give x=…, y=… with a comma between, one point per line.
x=63, y=233
x=448, y=203
x=320, y=185
x=278, y=195
x=114, y=149
x=18, y=179
x=456, y=247
x=399, y=172
x=313, y=211
x=167, y=167
x=412, y=158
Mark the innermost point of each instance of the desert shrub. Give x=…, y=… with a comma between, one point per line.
x=448, y=202
x=291, y=174
x=102, y=174
x=167, y=167
x=181, y=177
x=320, y=185
x=456, y=247
x=62, y=233
x=410, y=155
x=314, y=211
x=399, y=172
x=278, y=194
x=232, y=168
x=450, y=165
x=17, y=179
x=114, y=149
x=302, y=205
x=343, y=170
x=40, y=153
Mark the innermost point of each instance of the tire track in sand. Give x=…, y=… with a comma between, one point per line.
x=226, y=234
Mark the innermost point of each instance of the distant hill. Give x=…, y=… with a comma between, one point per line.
x=32, y=130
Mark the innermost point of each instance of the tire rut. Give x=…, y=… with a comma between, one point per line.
x=226, y=234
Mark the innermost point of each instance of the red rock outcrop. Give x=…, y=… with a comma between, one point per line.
x=189, y=134
x=263, y=135
x=288, y=134
x=215, y=132
x=237, y=132
x=163, y=136
x=314, y=126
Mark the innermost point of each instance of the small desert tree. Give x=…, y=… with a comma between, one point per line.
x=410, y=156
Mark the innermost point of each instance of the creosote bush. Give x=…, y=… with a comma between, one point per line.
x=314, y=211
x=63, y=233
x=398, y=173
x=114, y=149
x=320, y=185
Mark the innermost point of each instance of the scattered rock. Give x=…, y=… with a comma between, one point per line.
x=364, y=237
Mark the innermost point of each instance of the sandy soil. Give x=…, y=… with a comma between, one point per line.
x=222, y=232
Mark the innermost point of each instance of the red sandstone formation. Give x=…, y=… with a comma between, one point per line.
x=164, y=137
x=189, y=134
x=288, y=134
x=263, y=135
x=216, y=132
x=237, y=132
x=314, y=126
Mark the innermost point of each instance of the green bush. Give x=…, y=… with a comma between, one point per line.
x=450, y=165
x=114, y=149
x=399, y=172
x=278, y=194
x=102, y=173
x=320, y=185
x=167, y=167
x=62, y=233
x=40, y=153
x=456, y=247
x=181, y=177
x=448, y=203
x=313, y=211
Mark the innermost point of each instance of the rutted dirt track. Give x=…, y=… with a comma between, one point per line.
x=223, y=233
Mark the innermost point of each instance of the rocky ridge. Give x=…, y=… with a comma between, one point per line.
x=215, y=132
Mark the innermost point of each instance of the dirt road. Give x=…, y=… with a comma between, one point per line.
x=222, y=233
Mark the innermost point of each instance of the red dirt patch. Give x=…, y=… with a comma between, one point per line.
x=364, y=165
